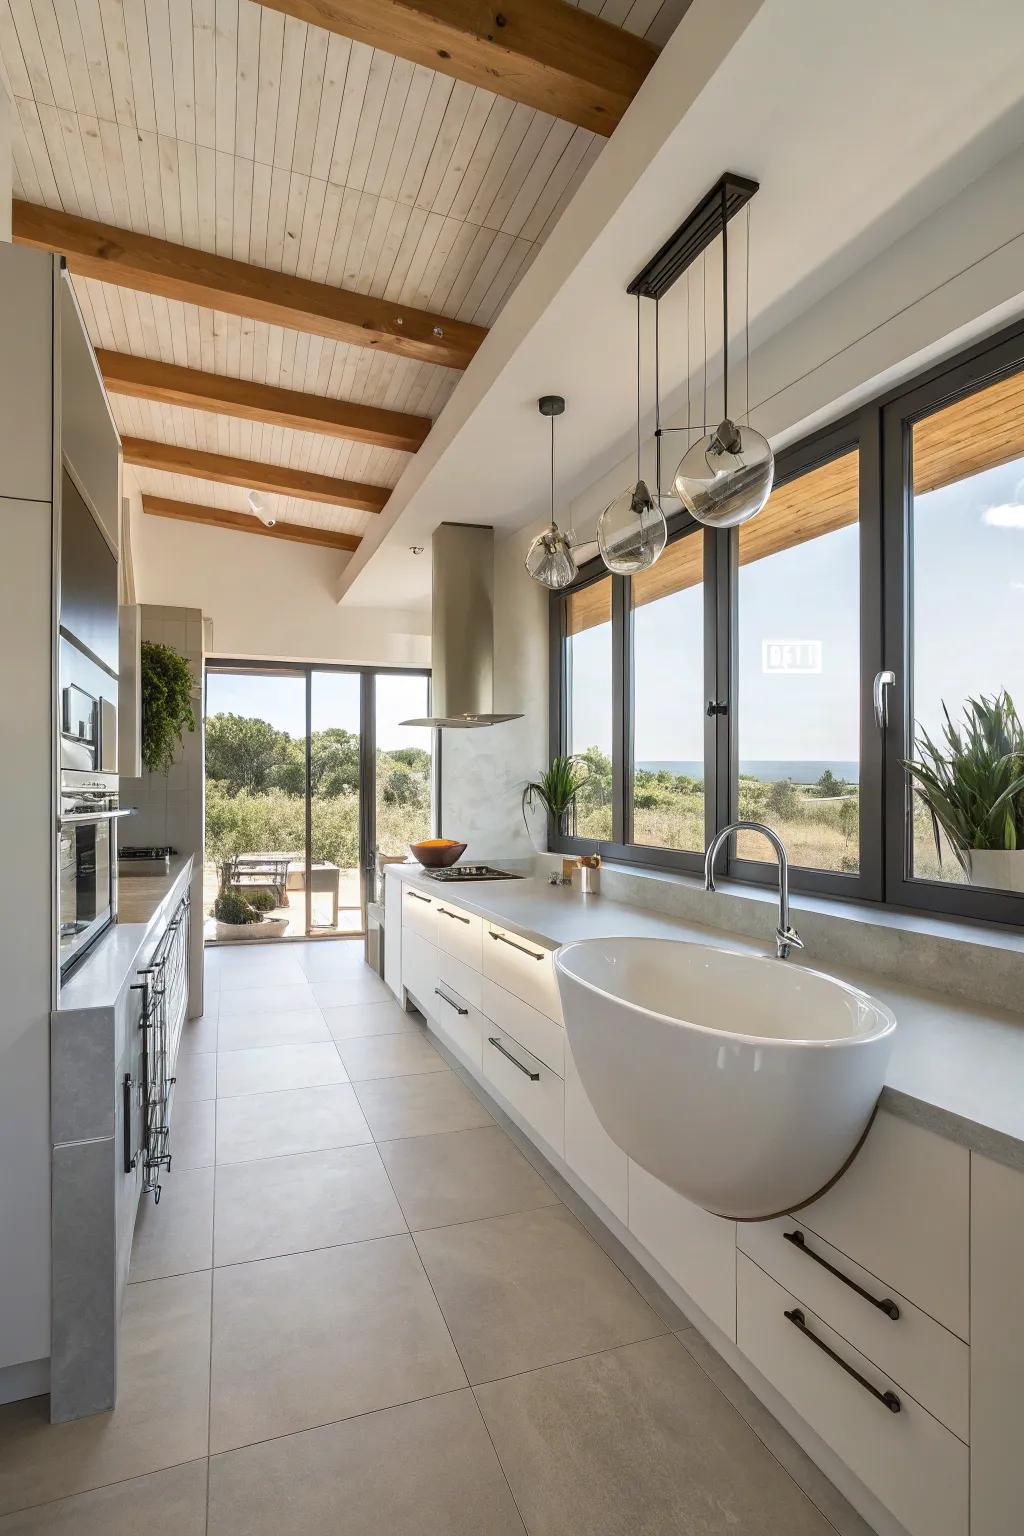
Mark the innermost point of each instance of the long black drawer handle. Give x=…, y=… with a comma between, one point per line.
x=501, y=939
x=450, y=1001
x=417, y=897
x=891, y=1401
x=533, y=1076
x=459, y=919
x=130, y=1157
x=885, y=1304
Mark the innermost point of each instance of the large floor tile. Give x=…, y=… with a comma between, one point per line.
x=389, y=1056
x=195, y=1077
x=314, y=1337
x=322, y=961
x=253, y=965
x=362, y=987
x=273, y=1067
x=199, y=1035
x=527, y=1290
x=371, y=1019
x=246, y=1031
x=314, y=1200
x=278, y=1124
x=193, y=1128
x=637, y=1442
x=161, y=1414
x=419, y=1106
x=462, y=1176
x=171, y=1503
x=176, y=1236
x=270, y=997
x=424, y=1469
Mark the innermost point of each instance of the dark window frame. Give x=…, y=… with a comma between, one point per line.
x=880, y=430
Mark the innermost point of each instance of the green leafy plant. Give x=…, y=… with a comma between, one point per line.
x=233, y=907
x=556, y=789
x=972, y=783
x=261, y=900
x=166, y=685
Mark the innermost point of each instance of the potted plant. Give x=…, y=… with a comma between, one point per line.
x=972, y=785
x=238, y=915
x=556, y=790
x=166, y=687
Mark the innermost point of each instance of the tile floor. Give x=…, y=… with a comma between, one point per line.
x=359, y=1308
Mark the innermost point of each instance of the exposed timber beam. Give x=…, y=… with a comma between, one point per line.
x=168, y=384
x=241, y=522
x=253, y=476
x=237, y=288
x=544, y=53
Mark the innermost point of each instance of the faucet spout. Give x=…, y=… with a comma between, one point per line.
x=786, y=936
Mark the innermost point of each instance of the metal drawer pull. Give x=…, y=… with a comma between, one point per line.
x=450, y=1001
x=533, y=1076
x=130, y=1157
x=891, y=1401
x=445, y=913
x=885, y=1304
x=501, y=939
x=417, y=897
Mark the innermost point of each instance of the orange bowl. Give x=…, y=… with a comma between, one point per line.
x=437, y=853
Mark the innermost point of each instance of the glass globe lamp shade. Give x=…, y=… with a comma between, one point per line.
x=550, y=559
x=726, y=478
x=631, y=531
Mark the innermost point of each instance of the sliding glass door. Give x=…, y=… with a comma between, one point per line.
x=309, y=773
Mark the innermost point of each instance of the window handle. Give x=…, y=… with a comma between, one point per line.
x=883, y=682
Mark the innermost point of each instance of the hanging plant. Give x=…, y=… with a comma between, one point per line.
x=166, y=705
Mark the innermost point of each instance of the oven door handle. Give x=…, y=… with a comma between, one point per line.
x=81, y=818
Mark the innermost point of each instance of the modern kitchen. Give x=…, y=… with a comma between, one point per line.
x=513, y=929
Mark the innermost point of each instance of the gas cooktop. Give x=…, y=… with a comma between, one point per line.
x=461, y=872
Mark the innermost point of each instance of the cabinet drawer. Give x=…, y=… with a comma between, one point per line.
x=522, y=967
x=419, y=912
x=457, y=1021
x=459, y=933
x=921, y=1356
x=532, y=1089
x=534, y=1030
x=911, y=1463
x=589, y=1150
x=419, y=969
x=902, y=1212
x=459, y=976
x=697, y=1249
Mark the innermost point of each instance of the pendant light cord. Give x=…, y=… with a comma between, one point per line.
x=725, y=306
x=746, y=324
x=657, y=398
x=552, y=419
x=638, y=473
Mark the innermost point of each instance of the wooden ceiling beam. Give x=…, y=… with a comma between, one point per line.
x=168, y=384
x=242, y=522
x=544, y=53
x=238, y=288
x=275, y=478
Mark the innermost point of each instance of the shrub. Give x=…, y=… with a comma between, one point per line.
x=232, y=907
x=166, y=692
x=261, y=900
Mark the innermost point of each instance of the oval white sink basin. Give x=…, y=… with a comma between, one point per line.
x=745, y=1083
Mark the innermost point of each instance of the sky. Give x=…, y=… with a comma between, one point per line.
x=281, y=701
x=968, y=628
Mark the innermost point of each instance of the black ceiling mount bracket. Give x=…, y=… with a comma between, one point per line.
x=694, y=235
x=551, y=405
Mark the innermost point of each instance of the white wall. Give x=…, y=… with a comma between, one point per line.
x=267, y=598
x=483, y=771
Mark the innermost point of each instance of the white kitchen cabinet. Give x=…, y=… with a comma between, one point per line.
x=419, y=914
x=589, y=1150
x=523, y=968
x=535, y=1030
x=697, y=1249
x=419, y=969
x=458, y=1022
x=459, y=977
x=997, y=1349
x=393, y=934
x=460, y=933
x=526, y=1083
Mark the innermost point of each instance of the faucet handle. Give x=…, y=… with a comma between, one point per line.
x=785, y=940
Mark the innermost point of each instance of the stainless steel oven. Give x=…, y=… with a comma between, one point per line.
x=87, y=826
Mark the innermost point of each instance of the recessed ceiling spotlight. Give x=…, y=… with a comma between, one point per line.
x=258, y=508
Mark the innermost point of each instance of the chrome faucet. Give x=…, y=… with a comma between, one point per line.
x=786, y=936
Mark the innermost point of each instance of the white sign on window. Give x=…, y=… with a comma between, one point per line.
x=793, y=656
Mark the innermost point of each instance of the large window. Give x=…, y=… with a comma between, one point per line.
x=787, y=672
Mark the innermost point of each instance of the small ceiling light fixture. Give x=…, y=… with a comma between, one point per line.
x=550, y=559
x=258, y=508
x=632, y=531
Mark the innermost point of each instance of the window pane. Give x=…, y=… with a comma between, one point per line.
x=967, y=526
x=589, y=674
x=668, y=699
x=799, y=669
x=404, y=762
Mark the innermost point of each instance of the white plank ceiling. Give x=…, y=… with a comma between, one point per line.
x=226, y=127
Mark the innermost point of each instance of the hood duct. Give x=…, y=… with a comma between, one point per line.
x=462, y=628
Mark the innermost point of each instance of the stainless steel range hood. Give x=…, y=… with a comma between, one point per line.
x=462, y=619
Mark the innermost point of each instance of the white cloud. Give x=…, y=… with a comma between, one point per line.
x=1009, y=515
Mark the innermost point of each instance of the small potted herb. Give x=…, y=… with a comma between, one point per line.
x=241, y=915
x=556, y=791
x=972, y=786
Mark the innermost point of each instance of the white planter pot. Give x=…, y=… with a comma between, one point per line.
x=996, y=869
x=266, y=928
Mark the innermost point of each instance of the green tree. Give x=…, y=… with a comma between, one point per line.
x=830, y=787
x=244, y=753
x=782, y=798
x=414, y=758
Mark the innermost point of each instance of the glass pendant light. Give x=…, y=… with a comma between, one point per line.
x=726, y=477
x=550, y=559
x=632, y=531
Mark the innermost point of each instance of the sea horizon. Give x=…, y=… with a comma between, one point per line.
x=769, y=770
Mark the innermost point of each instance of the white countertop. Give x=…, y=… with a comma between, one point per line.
x=116, y=957
x=955, y=1069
